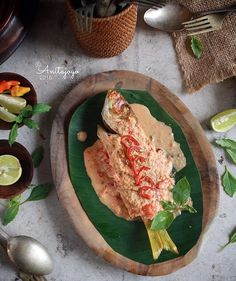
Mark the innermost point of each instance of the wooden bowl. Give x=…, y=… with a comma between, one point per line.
x=15, y=21
x=22, y=154
x=30, y=97
x=6, y=13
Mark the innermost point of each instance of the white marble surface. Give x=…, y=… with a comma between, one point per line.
x=52, y=43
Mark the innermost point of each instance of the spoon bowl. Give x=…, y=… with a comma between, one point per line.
x=28, y=254
x=168, y=18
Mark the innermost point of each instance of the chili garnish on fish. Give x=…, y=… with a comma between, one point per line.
x=129, y=173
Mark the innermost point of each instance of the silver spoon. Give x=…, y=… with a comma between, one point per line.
x=27, y=254
x=168, y=18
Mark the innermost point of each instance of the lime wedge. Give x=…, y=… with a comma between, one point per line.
x=10, y=169
x=224, y=120
x=12, y=104
x=7, y=116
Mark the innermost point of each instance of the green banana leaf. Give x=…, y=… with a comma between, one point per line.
x=130, y=239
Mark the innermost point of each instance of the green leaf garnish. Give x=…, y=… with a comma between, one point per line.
x=37, y=156
x=229, y=146
x=189, y=208
x=39, y=192
x=226, y=143
x=26, y=112
x=168, y=206
x=232, y=154
x=10, y=213
x=25, y=117
x=232, y=239
x=181, y=191
x=229, y=183
x=196, y=47
x=41, y=108
x=13, y=134
x=162, y=220
x=31, y=123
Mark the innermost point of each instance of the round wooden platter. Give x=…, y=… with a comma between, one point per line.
x=198, y=143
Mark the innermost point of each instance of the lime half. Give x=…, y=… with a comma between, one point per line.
x=7, y=116
x=224, y=120
x=10, y=169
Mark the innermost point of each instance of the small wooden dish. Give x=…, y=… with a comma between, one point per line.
x=22, y=154
x=30, y=97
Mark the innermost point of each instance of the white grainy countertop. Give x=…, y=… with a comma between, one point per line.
x=51, y=43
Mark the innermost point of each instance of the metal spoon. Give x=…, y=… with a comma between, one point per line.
x=27, y=254
x=168, y=18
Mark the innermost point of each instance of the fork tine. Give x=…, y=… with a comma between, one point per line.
x=85, y=18
x=199, y=23
x=79, y=19
x=90, y=20
x=195, y=20
x=202, y=31
x=198, y=27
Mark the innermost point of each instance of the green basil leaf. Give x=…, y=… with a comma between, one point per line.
x=232, y=154
x=41, y=108
x=39, y=192
x=181, y=191
x=168, y=206
x=26, y=112
x=13, y=134
x=31, y=123
x=14, y=200
x=196, y=47
x=191, y=209
x=229, y=183
x=162, y=220
x=226, y=143
x=19, y=119
x=10, y=213
x=37, y=156
x=232, y=239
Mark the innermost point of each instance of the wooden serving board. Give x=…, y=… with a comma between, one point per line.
x=198, y=143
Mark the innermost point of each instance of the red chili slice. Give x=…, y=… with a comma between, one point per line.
x=142, y=192
x=148, y=180
x=127, y=141
x=148, y=210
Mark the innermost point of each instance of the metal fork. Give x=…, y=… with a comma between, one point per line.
x=28, y=277
x=84, y=16
x=209, y=21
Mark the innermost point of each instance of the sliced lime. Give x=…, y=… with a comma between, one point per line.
x=10, y=169
x=7, y=116
x=12, y=104
x=224, y=120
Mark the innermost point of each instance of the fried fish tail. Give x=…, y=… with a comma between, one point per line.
x=159, y=240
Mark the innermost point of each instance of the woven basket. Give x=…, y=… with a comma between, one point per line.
x=110, y=36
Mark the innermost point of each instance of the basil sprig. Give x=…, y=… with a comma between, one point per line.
x=24, y=117
x=181, y=196
x=38, y=192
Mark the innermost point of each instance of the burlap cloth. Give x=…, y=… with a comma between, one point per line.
x=219, y=56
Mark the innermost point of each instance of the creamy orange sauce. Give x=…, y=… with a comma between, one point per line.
x=82, y=136
x=102, y=185
x=161, y=134
x=162, y=137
